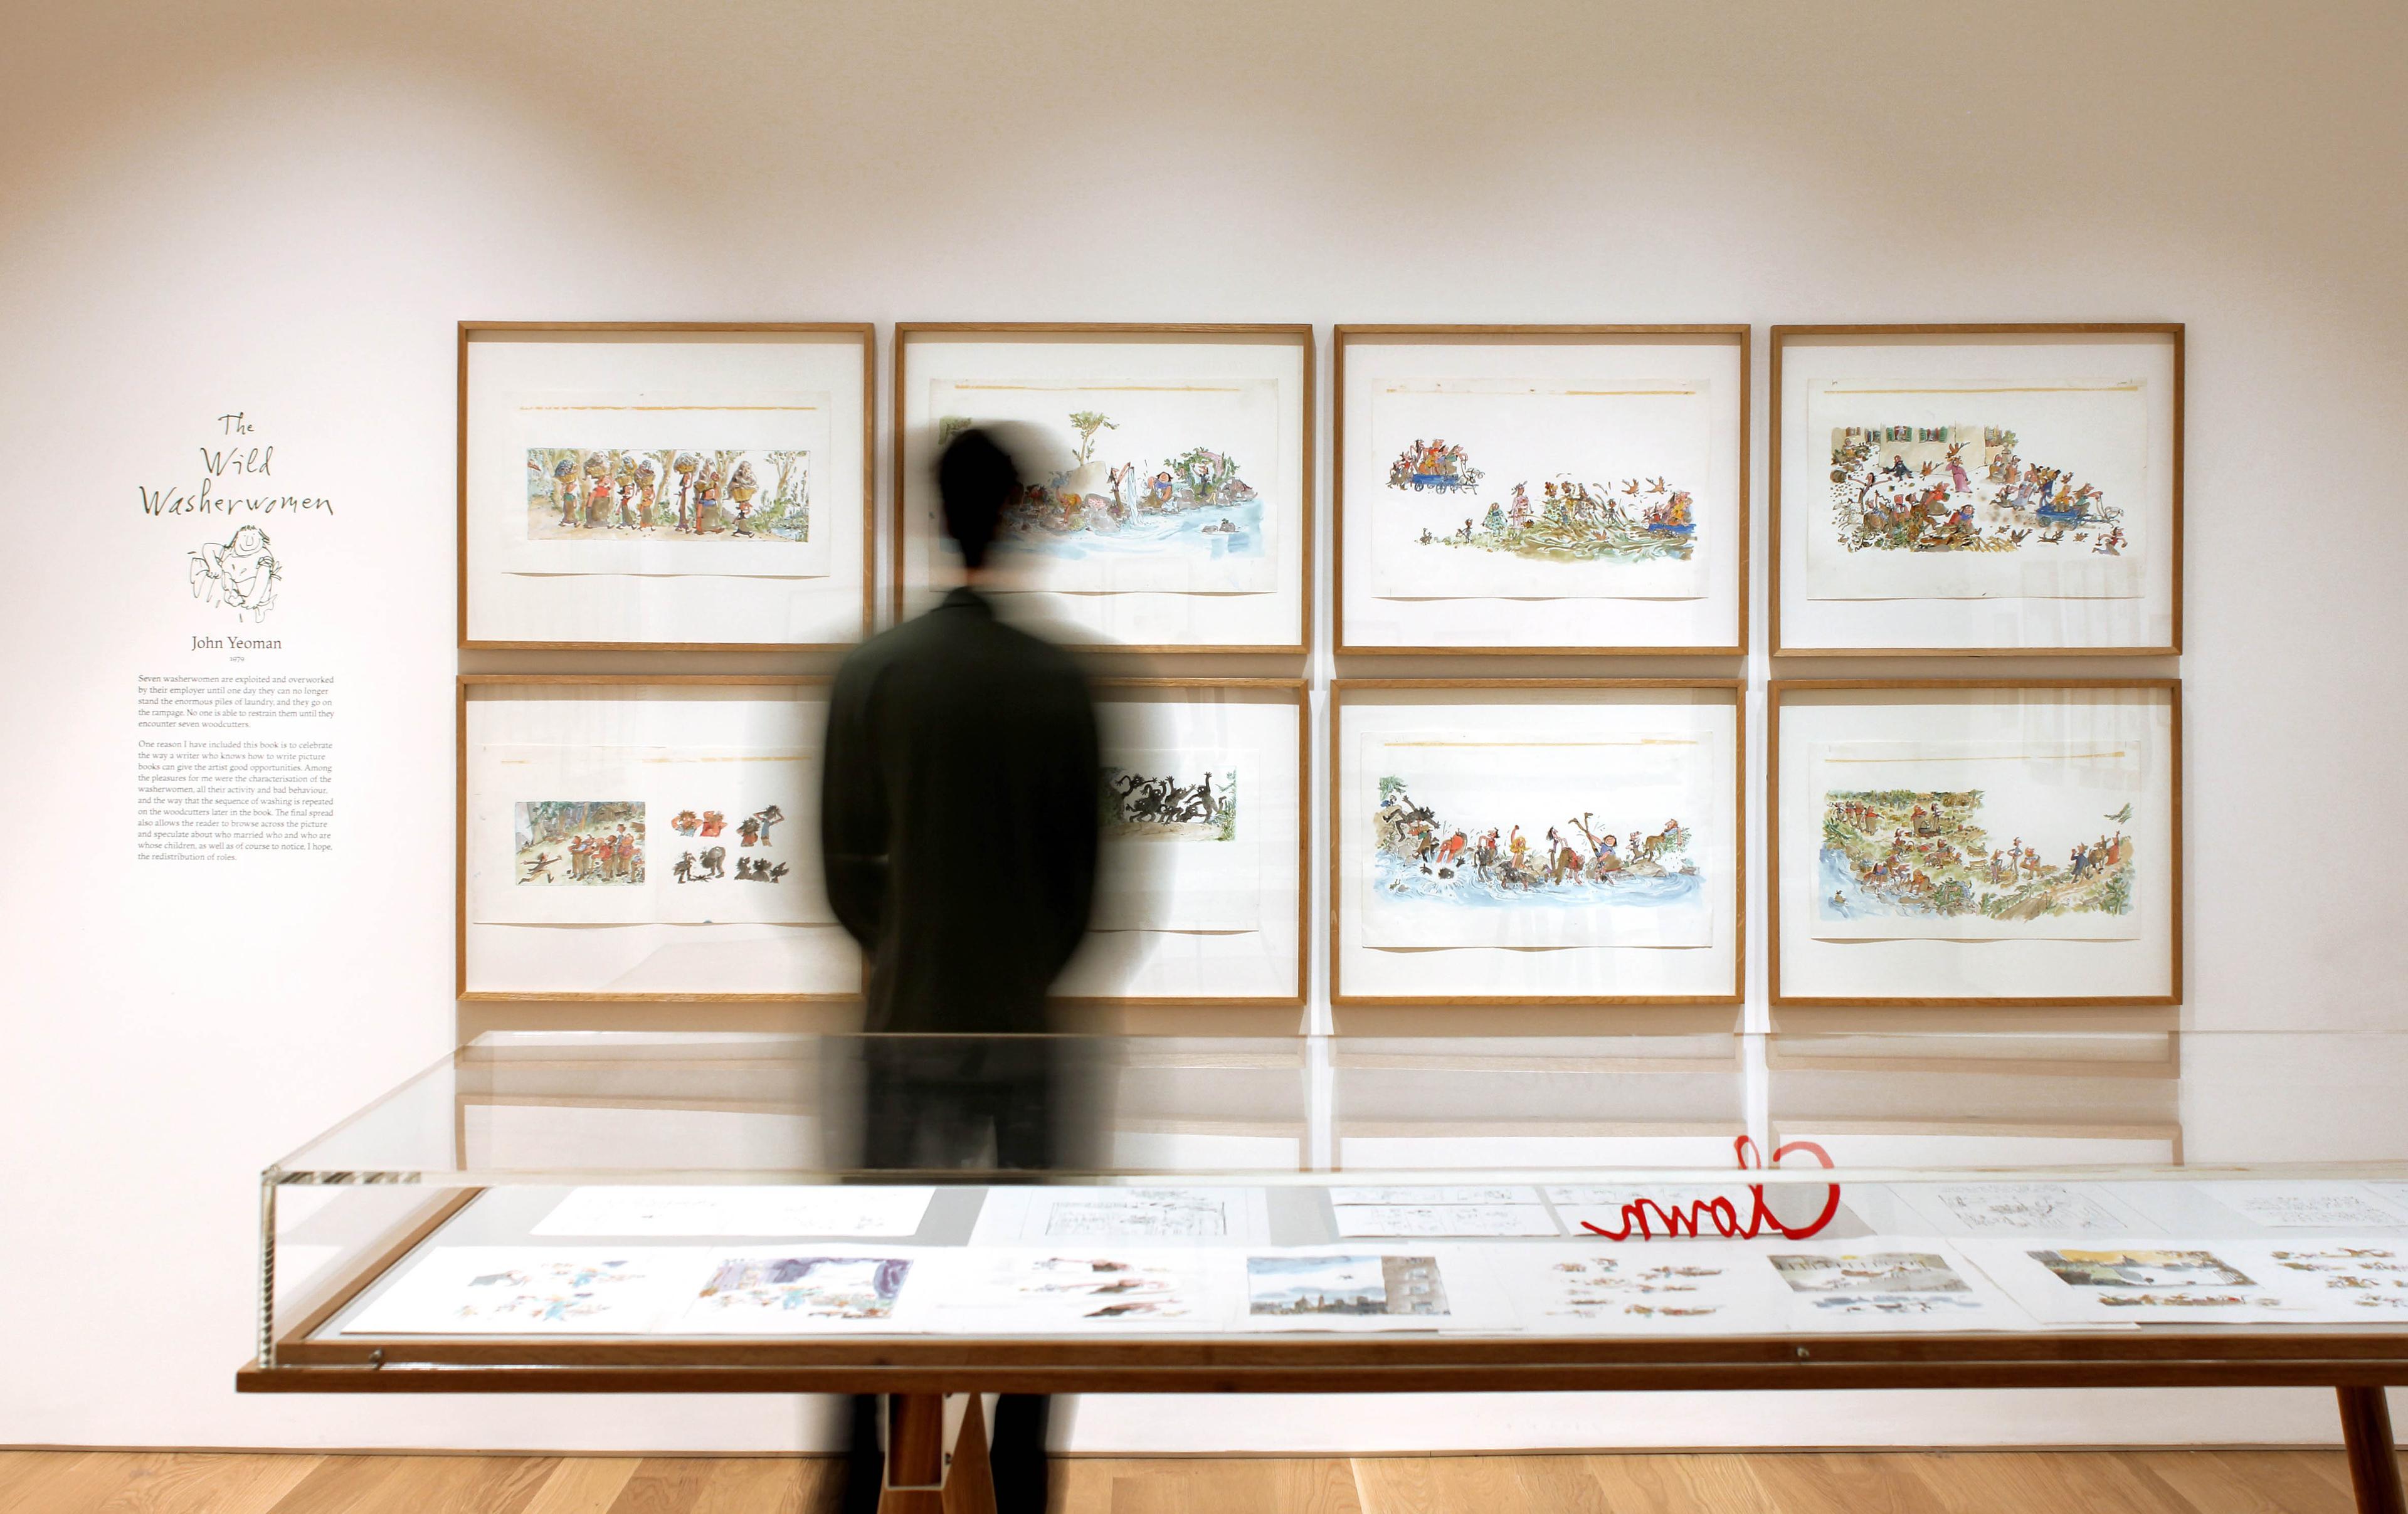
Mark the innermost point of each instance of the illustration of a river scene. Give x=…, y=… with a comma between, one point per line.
x=1893, y=853
x=1422, y=854
x=1636, y=520
x=592, y=843
x=702, y=838
x=1961, y=488
x=1150, y=806
x=575, y=493
x=1196, y=502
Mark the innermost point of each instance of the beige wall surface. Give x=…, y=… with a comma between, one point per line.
x=282, y=208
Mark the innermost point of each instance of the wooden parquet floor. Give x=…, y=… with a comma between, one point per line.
x=1884, y=1483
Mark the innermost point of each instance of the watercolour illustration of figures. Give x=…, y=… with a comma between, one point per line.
x=2028, y=487
x=2370, y=1278
x=1962, y=489
x=806, y=1287
x=515, y=1290
x=668, y=493
x=2130, y=1280
x=2015, y=839
x=1604, y=1287
x=239, y=572
x=1918, y=853
x=661, y=483
x=1531, y=490
x=1892, y=1284
x=1476, y=841
x=702, y=855
x=1132, y=482
x=1195, y=504
x=1343, y=1285
x=1164, y=806
x=579, y=842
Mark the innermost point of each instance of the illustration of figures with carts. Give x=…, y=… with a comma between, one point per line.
x=1433, y=466
x=1961, y=488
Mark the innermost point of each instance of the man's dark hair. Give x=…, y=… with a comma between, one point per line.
x=977, y=480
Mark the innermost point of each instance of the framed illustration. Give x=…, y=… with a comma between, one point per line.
x=1201, y=895
x=1955, y=491
x=1537, y=841
x=651, y=484
x=1963, y=842
x=1168, y=498
x=644, y=837
x=1542, y=489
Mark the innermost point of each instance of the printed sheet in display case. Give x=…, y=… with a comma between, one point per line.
x=1166, y=500
x=644, y=485
x=1963, y=489
x=1200, y=895
x=1564, y=489
x=1515, y=841
x=1939, y=842
x=633, y=837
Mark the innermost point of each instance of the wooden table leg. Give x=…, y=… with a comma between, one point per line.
x=918, y=1479
x=2373, y=1461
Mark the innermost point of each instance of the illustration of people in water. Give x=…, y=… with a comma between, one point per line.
x=1900, y=851
x=577, y=492
x=1961, y=489
x=1571, y=520
x=1094, y=503
x=240, y=573
x=1420, y=853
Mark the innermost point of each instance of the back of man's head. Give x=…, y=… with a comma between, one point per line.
x=977, y=478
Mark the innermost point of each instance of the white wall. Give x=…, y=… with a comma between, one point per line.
x=284, y=207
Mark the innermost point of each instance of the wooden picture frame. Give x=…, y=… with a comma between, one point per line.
x=1783, y=336
x=865, y=332
x=1739, y=334
x=1782, y=689
x=460, y=922
x=1301, y=333
x=1733, y=687
x=1299, y=697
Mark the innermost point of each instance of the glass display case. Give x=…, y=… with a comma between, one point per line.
x=919, y=1215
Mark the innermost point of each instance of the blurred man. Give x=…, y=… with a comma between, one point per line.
x=959, y=824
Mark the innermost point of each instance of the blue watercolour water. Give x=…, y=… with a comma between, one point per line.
x=1191, y=533
x=1401, y=879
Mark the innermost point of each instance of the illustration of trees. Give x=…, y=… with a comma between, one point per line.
x=951, y=426
x=1088, y=424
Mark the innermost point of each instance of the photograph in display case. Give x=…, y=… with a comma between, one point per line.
x=1566, y=489
x=1536, y=840
x=1200, y=888
x=698, y=877
x=1166, y=499
x=1977, y=488
x=643, y=485
x=1943, y=842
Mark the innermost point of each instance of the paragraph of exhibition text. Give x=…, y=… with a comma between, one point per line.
x=226, y=767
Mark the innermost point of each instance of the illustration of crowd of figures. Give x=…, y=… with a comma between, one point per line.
x=704, y=858
x=586, y=842
x=1961, y=488
x=667, y=493
x=1423, y=854
x=1916, y=851
x=1143, y=807
x=1569, y=522
x=1197, y=494
x=546, y=1294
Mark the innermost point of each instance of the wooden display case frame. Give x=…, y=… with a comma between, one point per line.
x=1299, y=693
x=866, y=330
x=460, y=837
x=1775, y=692
x=1341, y=337
x=1782, y=336
x=1301, y=333
x=1736, y=688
